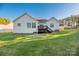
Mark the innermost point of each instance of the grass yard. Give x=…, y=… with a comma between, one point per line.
x=54, y=44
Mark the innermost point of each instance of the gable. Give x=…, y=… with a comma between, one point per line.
x=53, y=20
x=25, y=15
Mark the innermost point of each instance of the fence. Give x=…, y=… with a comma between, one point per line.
x=5, y=30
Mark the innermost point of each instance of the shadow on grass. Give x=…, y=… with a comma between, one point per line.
x=25, y=38
x=7, y=36
x=77, y=51
x=48, y=45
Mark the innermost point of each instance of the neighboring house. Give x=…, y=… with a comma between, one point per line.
x=6, y=28
x=68, y=24
x=27, y=24
x=62, y=25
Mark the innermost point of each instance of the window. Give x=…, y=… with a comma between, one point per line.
x=33, y=25
x=51, y=25
x=28, y=25
x=19, y=24
x=61, y=24
x=69, y=24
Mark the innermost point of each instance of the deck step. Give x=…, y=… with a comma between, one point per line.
x=44, y=31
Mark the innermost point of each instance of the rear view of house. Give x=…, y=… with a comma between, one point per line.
x=27, y=24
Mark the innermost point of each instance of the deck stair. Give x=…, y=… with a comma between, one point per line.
x=44, y=30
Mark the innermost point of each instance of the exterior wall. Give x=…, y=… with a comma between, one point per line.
x=9, y=26
x=55, y=23
x=23, y=28
x=6, y=28
x=72, y=24
x=42, y=22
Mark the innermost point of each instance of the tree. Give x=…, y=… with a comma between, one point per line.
x=4, y=21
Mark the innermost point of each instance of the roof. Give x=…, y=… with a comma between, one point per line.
x=37, y=19
x=41, y=19
x=22, y=16
x=53, y=18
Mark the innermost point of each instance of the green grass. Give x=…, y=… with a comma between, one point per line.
x=54, y=44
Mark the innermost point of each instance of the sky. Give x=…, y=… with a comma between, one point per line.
x=43, y=10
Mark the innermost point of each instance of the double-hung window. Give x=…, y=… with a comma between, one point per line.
x=19, y=24
x=51, y=25
x=33, y=25
x=29, y=25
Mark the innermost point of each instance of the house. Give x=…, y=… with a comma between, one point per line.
x=6, y=28
x=62, y=25
x=68, y=24
x=27, y=24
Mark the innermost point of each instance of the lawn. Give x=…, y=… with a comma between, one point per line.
x=65, y=43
